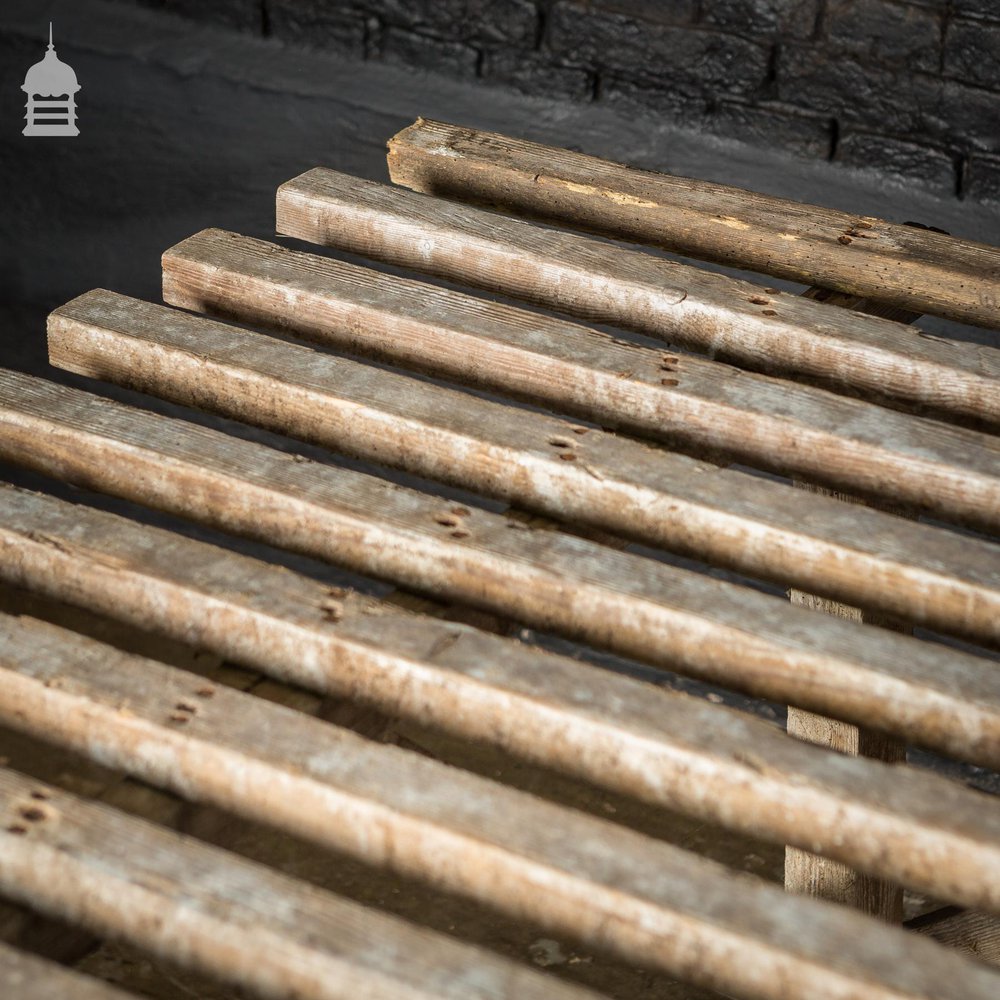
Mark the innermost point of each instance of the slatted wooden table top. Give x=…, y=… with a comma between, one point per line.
x=587, y=452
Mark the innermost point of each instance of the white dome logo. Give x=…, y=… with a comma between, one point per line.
x=51, y=87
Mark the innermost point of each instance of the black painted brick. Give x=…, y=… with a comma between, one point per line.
x=883, y=32
x=412, y=49
x=509, y=22
x=988, y=9
x=982, y=179
x=773, y=125
x=243, y=14
x=758, y=18
x=972, y=52
x=654, y=52
x=536, y=73
x=320, y=25
x=660, y=11
x=925, y=165
x=965, y=117
x=846, y=89
x=640, y=99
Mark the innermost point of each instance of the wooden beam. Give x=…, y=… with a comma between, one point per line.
x=937, y=578
x=242, y=922
x=758, y=328
x=27, y=977
x=684, y=400
x=661, y=747
x=638, y=607
x=647, y=901
x=977, y=934
x=917, y=269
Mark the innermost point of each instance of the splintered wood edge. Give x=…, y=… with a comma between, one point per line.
x=662, y=747
x=649, y=902
x=917, y=269
x=631, y=605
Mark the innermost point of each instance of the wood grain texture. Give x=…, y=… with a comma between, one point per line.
x=917, y=269
x=647, y=901
x=977, y=934
x=934, y=577
x=758, y=328
x=701, y=405
x=809, y=873
x=661, y=747
x=634, y=606
x=242, y=922
x=27, y=977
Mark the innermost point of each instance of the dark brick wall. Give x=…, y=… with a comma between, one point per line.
x=910, y=87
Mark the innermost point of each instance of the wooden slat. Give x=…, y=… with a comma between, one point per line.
x=631, y=605
x=791, y=429
x=917, y=269
x=934, y=577
x=207, y=909
x=806, y=872
x=662, y=747
x=26, y=977
x=759, y=328
x=648, y=902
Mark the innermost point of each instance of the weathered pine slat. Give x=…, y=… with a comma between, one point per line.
x=27, y=977
x=242, y=922
x=938, y=578
x=805, y=871
x=759, y=328
x=662, y=747
x=702, y=405
x=609, y=887
x=934, y=577
x=809, y=873
x=917, y=269
x=634, y=606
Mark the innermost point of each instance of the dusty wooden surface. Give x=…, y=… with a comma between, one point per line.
x=649, y=902
x=213, y=911
x=26, y=977
x=920, y=270
x=579, y=474
x=758, y=328
x=808, y=873
x=701, y=405
x=638, y=607
x=663, y=748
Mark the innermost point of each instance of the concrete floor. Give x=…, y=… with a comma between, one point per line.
x=184, y=128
